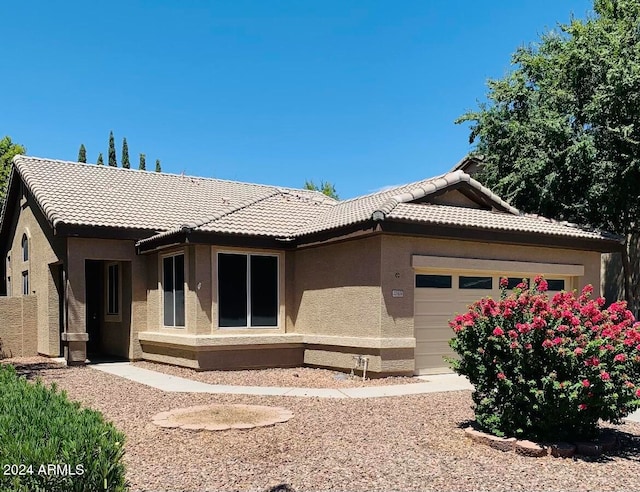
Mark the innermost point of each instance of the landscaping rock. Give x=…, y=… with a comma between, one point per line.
x=608, y=441
x=499, y=443
x=563, y=450
x=530, y=448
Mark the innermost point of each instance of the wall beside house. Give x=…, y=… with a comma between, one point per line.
x=45, y=253
x=19, y=334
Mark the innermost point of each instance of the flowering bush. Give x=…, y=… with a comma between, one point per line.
x=548, y=369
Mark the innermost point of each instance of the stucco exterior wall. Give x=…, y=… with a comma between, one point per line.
x=134, y=273
x=398, y=274
x=19, y=330
x=335, y=289
x=45, y=249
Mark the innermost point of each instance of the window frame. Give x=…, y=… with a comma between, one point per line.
x=9, y=287
x=163, y=257
x=108, y=315
x=248, y=255
x=25, y=247
x=25, y=283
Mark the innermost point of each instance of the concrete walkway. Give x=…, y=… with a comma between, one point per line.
x=165, y=382
x=432, y=384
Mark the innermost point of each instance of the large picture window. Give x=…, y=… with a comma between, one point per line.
x=173, y=289
x=247, y=290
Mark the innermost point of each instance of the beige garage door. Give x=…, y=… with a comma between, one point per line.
x=439, y=296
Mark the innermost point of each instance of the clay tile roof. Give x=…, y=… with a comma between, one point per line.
x=90, y=195
x=486, y=219
x=165, y=204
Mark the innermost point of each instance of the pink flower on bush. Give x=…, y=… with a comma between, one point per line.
x=513, y=334
x=528, y=346
x=586, y=383
x=629, y=384
x=582, y=406
x=541, y=284
x=578, y=351
x=557, y=341
x=498, y=332
x=592, y=361
x=547, y=343
x=638, y=393
x=605, y=376
x=501, y=376
x=514, y=345
x=620, y=358
x=504, y=282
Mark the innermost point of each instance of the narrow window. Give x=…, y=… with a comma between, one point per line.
x=25, y=248
x=173, y=289
x=247, y=290
x=8, y=286
x=485, y=283
x=113, y=289
x=513, y=282
x=25, y=283
x=433, y=281
x=555, y=284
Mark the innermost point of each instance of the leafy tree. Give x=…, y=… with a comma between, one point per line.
x=143, y=162
x=8, y=150
x=82, y=154
x=158, y=167
x=112, y=151
x=125, y=154
x=560, y=134
x=100, y=161
x=325, y=187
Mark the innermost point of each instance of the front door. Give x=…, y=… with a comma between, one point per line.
x=94, y=303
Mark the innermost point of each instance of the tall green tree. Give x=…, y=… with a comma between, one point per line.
x=143, y=162
x=125, y=154
x=82, y=154
x=158, y=167
x=560, y=134
x=325, y=187
x=112, y=151
x=8, y=150
x=100, y=161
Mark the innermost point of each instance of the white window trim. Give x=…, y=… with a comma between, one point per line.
x=28, y=283
x=112, y=317
x=248, y=255
x=182, y=253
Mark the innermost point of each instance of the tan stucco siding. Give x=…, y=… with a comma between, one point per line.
x=398, y=274
x=336, y=289
x=134, y=315
x=44, y=250
x=18, y=334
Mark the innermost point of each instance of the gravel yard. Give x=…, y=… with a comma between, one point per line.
x=401, y=443
x=301, y=377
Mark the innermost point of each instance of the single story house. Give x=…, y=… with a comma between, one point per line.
x=215, y=274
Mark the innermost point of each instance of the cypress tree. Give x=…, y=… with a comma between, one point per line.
x=143, y=163
x=100, y=161
x=158, y=168
x=82, y=154
x=112, y=151
x=125, y=154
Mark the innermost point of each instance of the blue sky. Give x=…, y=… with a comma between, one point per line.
x=360, y=93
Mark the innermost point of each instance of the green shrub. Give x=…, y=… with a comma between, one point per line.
x=548, y=369
x=49, y=443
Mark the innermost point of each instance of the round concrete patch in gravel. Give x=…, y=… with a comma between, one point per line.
x=221, y=417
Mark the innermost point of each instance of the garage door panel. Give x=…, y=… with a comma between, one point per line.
x=435, y=307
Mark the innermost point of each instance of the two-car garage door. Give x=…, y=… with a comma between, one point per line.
x=440, y=294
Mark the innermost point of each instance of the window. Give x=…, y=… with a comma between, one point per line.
x=8, y=286
x=433, y=281
x=513, y=282
x=25, y=283
x=25, y=248
x=173, y=288
x=113, y=289
x=555, y=284
x=485, y=283
x=247, y=290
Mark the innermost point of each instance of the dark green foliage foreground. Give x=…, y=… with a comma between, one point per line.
x=49, y=443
